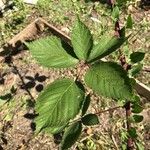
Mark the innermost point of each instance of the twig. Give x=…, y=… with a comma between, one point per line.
x=146, y=69
x=110, y=109
x=98, y=113
x=134, y=35
x=113, y=139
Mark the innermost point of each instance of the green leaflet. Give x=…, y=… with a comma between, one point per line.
x=129, y=23
x=137, y=57
x=106, y=45
x=138, y=118
x=115, y=13
x=86, y=104
x=71, y=135
x=110, y=80
x=136, y=108
x=82, y=40
x=132, y=133
x=136, y=69
x=5, y=98
x=57, y=104
x=55, y=130
x=50, y=53
x=90, y=119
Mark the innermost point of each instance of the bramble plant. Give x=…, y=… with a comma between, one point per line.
x=65, y=99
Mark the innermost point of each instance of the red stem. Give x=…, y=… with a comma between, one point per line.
x=127, y=106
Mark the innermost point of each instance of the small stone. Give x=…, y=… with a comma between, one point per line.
x=65, y=29
x=33, y=2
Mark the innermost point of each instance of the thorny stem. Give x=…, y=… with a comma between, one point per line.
x=127, y=106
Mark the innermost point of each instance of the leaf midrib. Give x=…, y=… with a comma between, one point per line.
x=61, y=98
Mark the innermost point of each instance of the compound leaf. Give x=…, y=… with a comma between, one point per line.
x=82, y=40
x=50, y=53
x=90, y=120
x=106, y=45
x=57, y=104
x=71, y=135
x=109, y=79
